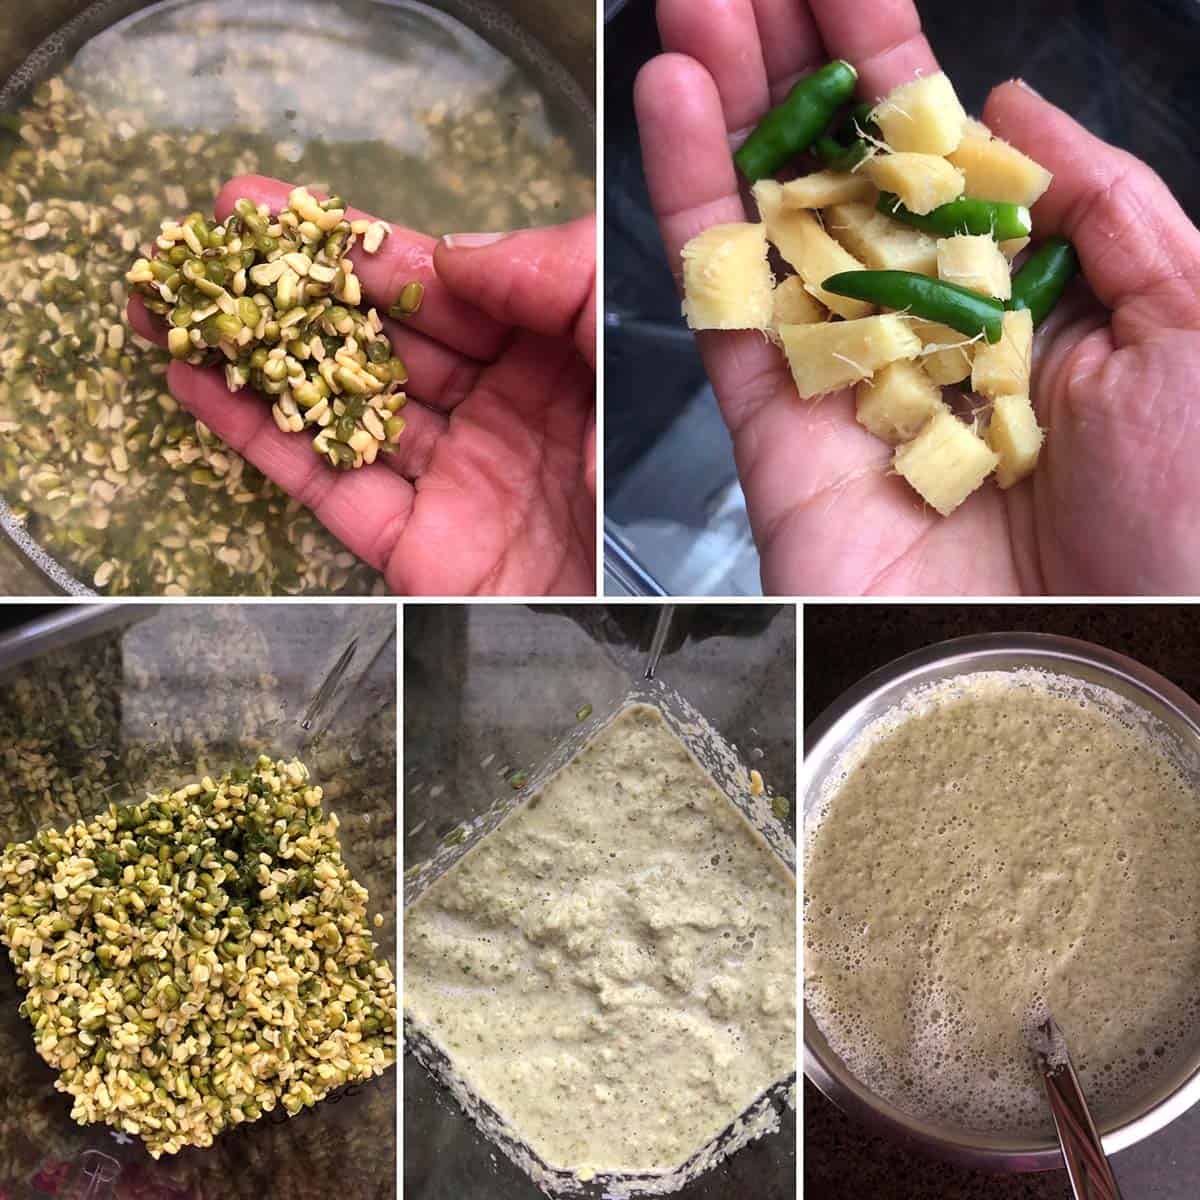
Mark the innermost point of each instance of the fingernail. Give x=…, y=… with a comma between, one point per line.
x=1028, y=88
x=471, y=241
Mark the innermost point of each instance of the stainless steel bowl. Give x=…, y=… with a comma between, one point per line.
x=826, y=741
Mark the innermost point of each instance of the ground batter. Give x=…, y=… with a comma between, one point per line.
x=613, y=968
x=1003, y=845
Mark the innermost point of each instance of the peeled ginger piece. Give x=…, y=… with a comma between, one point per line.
x=793, y=304
x=974, y=262
x=727, y=281
x=897, y=402
x=1003, y=369
x=798, y=236
x=836, y=354
x=945, y=462
x=1011, y=247
x=946, y=357
x=921, y=181
x=994, y=170
x=923, y=116
x=1015, y=437
x=822, y=188
x=879, y=241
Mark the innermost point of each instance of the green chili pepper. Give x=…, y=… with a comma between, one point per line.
x=932, y=299
x=1040, y=283
x=998, y=218
x=793, y=126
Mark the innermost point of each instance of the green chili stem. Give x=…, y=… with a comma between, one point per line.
x=998, y=218
x=932, y=299
x=839, y=154
x=1040, y=283
x=838, y=157
x=791, y=127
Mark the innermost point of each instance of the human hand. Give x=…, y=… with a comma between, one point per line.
x=491, y=487
x=1114, y=506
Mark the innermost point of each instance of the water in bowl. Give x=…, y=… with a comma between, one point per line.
x=400, y=107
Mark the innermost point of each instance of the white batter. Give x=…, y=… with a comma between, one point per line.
x=1000, y=847
x=613, y=968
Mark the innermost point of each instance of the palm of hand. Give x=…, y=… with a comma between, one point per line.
x=1116, y=502
x=1107, y=512
x=1113, y=505
x=501, y=506
x=490, y=488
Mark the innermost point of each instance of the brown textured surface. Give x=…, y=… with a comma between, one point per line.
x=25, y=25
x=17, y=577
x=842, y=643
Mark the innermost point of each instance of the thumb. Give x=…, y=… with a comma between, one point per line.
x=1135, y=242
x=543, y=280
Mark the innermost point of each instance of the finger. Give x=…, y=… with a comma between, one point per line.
x=589, y=457
x=790, y=41
x=722, y=36
x=692, y=186
x=144, y=322
x=404, y=256
x=410, y=456
x=1133, y=239
x=366, y=510
x=882, y=40
x=685, y=153
x=543, y=280
x=440, y=378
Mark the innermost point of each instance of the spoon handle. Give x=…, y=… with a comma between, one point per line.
x=1087, y=1166
x=662, y=631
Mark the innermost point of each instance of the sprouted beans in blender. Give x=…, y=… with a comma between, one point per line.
x=188, y=967
x=108, y=718
x=110, y=477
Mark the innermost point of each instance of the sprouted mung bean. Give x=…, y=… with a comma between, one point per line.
x=409, y=300
x=274, y=298
x=194, y=961
x=127, y=490
x=109, y=717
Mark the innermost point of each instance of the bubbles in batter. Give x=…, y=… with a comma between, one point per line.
x=1000, y=846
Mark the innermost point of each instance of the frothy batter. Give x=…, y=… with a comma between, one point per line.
x=613, y=968
x=1002, y=844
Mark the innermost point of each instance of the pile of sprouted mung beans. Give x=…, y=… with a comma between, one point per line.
x=107, y=719
x=129, y=492
x=198, y=959
x=274, y=299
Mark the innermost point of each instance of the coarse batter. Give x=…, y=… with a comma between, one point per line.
x=1003, y=844
x=613, y=968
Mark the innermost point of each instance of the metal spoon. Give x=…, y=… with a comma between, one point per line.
x=1087, y=1167
x=658, y=643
